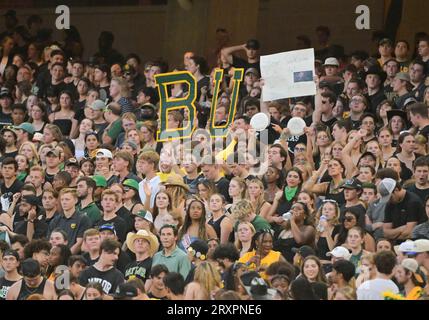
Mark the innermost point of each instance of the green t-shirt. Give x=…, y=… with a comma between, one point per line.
x=92, y=211
x=115, y=129
x=260, y=224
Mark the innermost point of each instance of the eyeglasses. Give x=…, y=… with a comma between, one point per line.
x=356, y=100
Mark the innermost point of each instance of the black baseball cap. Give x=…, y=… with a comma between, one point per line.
x=72, y=162
x=125, y=291
x=253, y=44
x=30, y=268
x=30, y=199
x=352, y=184
x=304, y=251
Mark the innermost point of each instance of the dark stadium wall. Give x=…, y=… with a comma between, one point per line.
x=168, y=30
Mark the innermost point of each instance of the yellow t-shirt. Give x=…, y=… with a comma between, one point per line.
x=270, y=258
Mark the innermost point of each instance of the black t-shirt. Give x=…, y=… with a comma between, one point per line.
x=109, y=280
x=89, y=262
x=73, y=226
x=7, y=193
x=375, y=100
x=419, y=92
x=125, y=214
x=222, y=186
x=424, y=132
x=241, y=63
x=5, y=119
x=12, y=154
x=40, y=228
x=138, y=269
x=204, y=82
x=151, y=296
x=4, y=287
x=330, y=123
x=410, y=209
x=50, y=177
x=104, y=93
x=399, y=101
x=421, y=193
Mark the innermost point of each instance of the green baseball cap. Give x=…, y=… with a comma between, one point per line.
x=100, y=181
x=144, y=214
x=131, y=183
x=27, y=127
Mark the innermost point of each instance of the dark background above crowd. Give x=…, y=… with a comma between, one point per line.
x=167, y=30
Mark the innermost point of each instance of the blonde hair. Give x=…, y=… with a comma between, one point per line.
x=124, y=88
x=237, y=243
x=56, y=132
x=347, y=292
x=261, y=199
x=242, y=183
x=242, y=209
x=68, y=190
x=33, y=149
x=207, y=276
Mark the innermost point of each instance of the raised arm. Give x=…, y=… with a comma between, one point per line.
x=227, y=52
x=311, y=186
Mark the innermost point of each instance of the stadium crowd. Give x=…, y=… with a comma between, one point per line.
x=94, y=207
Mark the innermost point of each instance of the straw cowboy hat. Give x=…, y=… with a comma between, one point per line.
x=176, y=180
x=143, y=234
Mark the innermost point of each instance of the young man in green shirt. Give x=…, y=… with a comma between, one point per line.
x=85, y=192
x=174, y=258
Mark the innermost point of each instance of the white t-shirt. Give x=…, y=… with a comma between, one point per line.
x=374, y=289
x=154, y=184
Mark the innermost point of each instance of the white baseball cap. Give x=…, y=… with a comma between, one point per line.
x=408, y=246
x=385, y=189
x=340, y=252
x=410, y=264
x=421, y=245
x=331, y=62
x=104, y=153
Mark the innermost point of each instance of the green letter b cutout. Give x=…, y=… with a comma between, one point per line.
x=166, y=104
x=221, y=131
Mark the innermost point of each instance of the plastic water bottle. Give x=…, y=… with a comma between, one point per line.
x=287, y=216
x=320, y=227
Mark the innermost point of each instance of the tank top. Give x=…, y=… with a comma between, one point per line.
x=338, y=197
x=65, y=125
x=322, y=244
x=25, y=291
x=216, y=224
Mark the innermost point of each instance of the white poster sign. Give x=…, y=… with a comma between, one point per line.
x=288, y=74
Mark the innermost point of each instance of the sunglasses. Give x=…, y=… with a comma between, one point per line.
x=300, y=149
x=349, y=218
